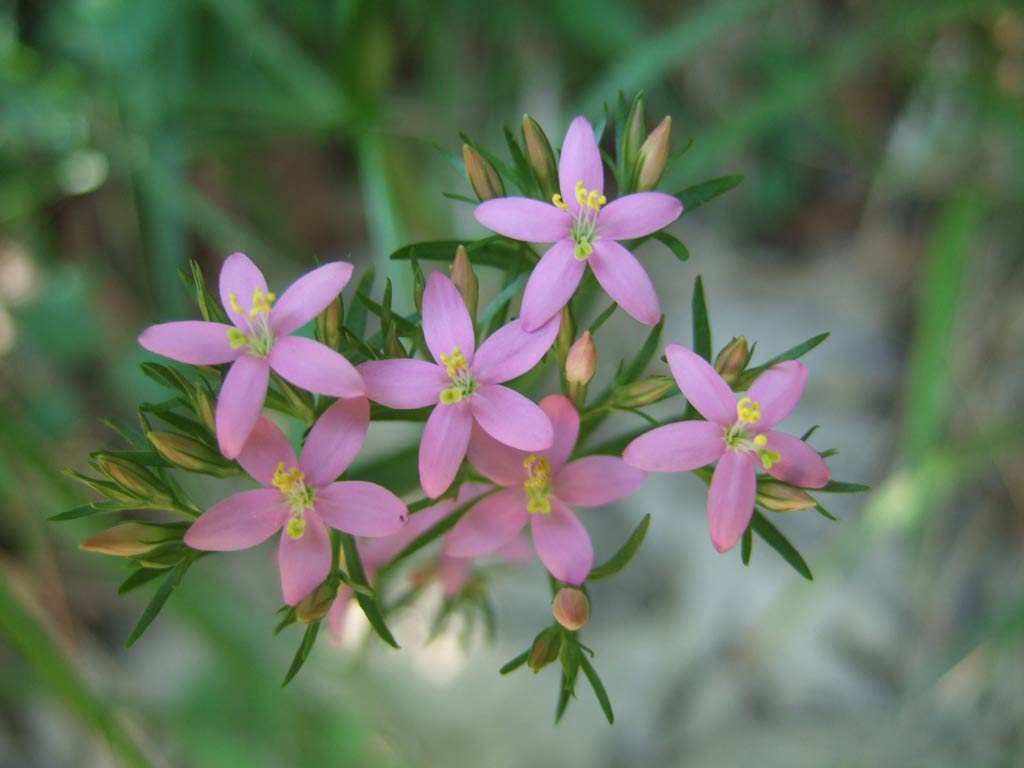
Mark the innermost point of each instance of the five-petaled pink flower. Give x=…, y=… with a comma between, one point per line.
x=584, y=230
x=738, y=434
x=300, y=497
x=538, y=488
x=258, y=342
x=464, y=383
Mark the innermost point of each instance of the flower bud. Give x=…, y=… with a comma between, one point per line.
x=541, y=157
x=653, y=157
x=571, y=608
x=315, y=605
x=582, y=360
x=206, y=405
x=328, y=324
x=134, y=478
x=190, y=454
x=419, y=282
x=632, y=134
x=465, y=279
x=732, y=359
x=481, y=174
x=566, y=334
x=643, y=392
x=129, y=539
x=393, y=345
x=783, y=497
x=545, y=648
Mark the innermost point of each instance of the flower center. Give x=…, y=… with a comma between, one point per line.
x=748, y=413
x=537, y=484
x=463, y=383
x=260, y=338
x=298, y=495
x=584, y=226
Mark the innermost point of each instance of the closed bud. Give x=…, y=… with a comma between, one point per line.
x=481, y=174
x=206, y=408
x=732, y=359
x=783, y=497
x=328, y=324
x=465, y=280
x=571, y=608
x=545, y=648
x=134, y=478
x=653, y=156
x=315, y=605
x=566, y=334
x=393, y=345
x=130, y=539
x=632, y=134
x=582, y=360
x=541, y=157
x=419, y=282
x=643, y=392
x=190, y=454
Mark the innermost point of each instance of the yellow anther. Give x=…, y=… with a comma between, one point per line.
x=748, y=410
x=287, y=480
x=594, y=199
x=296, y=527
x=261, y=302
x=236, y=338
x=454, y=362
x=761, y=441
x=235, y=306
x=537, y=484
x=559, y=202
x=451, y=395
x=581, y=193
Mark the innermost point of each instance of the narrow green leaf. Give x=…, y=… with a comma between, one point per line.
x=599, y=691
x=516, y=663
x=825, y=513
x=161, y=596
x=370, y=605
x=694, y=197
x=793, y=353
x=500, y=302
x=139, y=577
x=302, y=653
x=643, y=355
x=357, y=312
x=701, y=323
x=837, y=486
x=747, y=545
x=524, y=175
x=563, y=699
x=74, y=514
x=625, y=553
x=674, y=244
x=460, y=198
x=608, y=312
x=167, y=376
x=489, y=252
x=774, y=538
x=405, y=328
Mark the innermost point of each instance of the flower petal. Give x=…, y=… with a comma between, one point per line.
x=580, y=161
x=308, y=296
x=800, y=463
x=516, y=552
x=380, y=551
x=552, y=283
x=335, y=440
x=446, y=321
x=677, y=447
x=701, y=385
x=266, y=447
x=404, y=383
x=360, y=508
x=596, y=480
x=490, y=523
x=239, y=276
x=454, y=572
x=524, y=219
x=563, y=544
x=240, y=402
x=622, y=278
x=511, y=418
x=339, y=610
x=637, y=215
x=565, y=424
x=494, y=460
x=511, y=351
x=731, y=498
x=305, y=562
x=311, y=366
x=443, y=447
x=239, y=522
x=778, y=390
x=191, y=341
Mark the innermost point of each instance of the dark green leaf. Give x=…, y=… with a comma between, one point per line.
x=626, y=552
x=643, y=355
x=356, y=320
x=674, y=244
x=836, y=486
x=460, y=198
x=747, y=545
x=370, y=605
x=83, y=511
x=308, y=641
x=694, y=197
x=603, y=317
x=501, y=301
x=515, y=663
x=773, y=536
x=793, y=353
x=139, y=577
x=563, y=699
x=825, y=513
x=599, y=691
x=489, y=252
x=701, y=323
x=163, y=592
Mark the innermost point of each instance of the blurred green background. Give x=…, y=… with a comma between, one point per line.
x=882, y=143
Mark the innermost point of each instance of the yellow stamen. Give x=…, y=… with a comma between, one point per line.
x=581, y=193
x=537, y=484
x=454, y=362
x=288, y=480
x=235, y=306
x=748, y=411
x=261, y=302
x=761, y=441
x=559, y=203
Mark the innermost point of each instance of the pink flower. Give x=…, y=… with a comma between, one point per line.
x=737, y=434
x=260, y=341
x=300, y=497
x=583, y=230
x=538, y=489
x=463, y=382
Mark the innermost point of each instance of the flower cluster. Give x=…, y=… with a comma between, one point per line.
x=491, y=459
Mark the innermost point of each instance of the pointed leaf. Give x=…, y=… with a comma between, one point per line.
x=694, y=197
x=625, y=553
x=674, y=244
x=302, y=653
x=701, y=323
x=599, y=691
x=773, y=536
x=161, y=596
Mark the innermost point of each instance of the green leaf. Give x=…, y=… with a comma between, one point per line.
x=793, y=353
x=83, y=511
x=302, y=653
x=608, y=312
x=599, y=691
x=524, y=174
x=163, y=592
x=405, y=328
x=701, y=323
x=167, y=376
x=643, y=355
x=139, y=577
x=493, y=251
x=563, y=699
x=773, y=536
x=837, y=486
x=747, y=545
x=370, y=605
x=674, y=244
x=694, y=197
x=825, y=513
x=356, y=320
x=501, y=301
x=516, y=663
x=625, y=553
